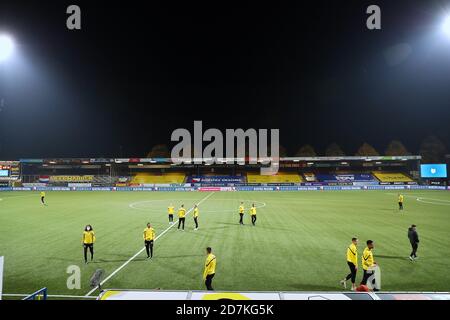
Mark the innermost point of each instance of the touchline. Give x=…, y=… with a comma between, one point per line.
x=233, y=146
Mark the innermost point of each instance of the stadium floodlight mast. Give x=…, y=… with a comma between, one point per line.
x=6, y=47
x=446, y=26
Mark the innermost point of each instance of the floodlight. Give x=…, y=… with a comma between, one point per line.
x=446, y=26
x=6, y=47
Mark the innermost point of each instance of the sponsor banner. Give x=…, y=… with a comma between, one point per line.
x=174, y=189
x=209, y=189
x=349, y=178
x=34, y=185
x=79, y=185
x=366, y=183
x=52, y=189
x=240, y=188
x=87, y=178
x=215, y=179
x=101, y=189
x=121, y=184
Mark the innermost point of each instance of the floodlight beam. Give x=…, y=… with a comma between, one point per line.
x=6, y=47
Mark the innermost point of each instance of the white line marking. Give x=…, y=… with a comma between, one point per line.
x=133, y=204
x=434, y=201
x=140, y=251
x=21, y=196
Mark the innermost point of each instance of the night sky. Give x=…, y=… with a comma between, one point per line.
x=138, y=70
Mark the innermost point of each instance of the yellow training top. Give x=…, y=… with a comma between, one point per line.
x=42, y=194
x=241, y=209
x=149, y=234
x=88, y=237
x=195, y=212
x=210, y=265
x=367, y=258
x=170, y=210
x=352, y=254
x=253, y=211
x=400, y=198
x=181, y=213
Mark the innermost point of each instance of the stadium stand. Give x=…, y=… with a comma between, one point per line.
x=154, y=178
x=280, y=177
x=392, y=177
x=345, y=177
x=309, y=177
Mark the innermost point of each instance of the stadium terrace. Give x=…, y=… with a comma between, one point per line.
x=163, y=174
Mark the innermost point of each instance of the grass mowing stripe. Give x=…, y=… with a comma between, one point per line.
x=142, y=249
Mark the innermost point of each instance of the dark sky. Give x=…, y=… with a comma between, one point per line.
x=140, y=69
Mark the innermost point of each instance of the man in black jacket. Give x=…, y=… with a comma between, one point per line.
x=414, y=240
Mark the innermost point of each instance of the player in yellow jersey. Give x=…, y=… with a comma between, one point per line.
x=88, y=241
x=170, y=211
x=210, y=268
x=196, y=217
x=43, y=197
x=400, y=201
x=149, y=237
x=352, y=261
x=181, y=216
x=253, y=214
x=241, y=213
x=367, y=261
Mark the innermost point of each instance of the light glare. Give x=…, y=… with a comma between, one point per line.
x=446, y=26
x=6, y=47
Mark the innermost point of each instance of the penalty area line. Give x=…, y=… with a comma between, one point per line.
x=141, y=250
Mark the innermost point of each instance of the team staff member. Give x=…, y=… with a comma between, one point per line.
x=352, y=261
x=149, y=237
x=241, y=213
x=210, y=268
x=367, y=261
x=170, y=211
x=253, y=214
x=400, y=202
x=181, y=216
x=413, y=237
x=43, y=197
x=196, y=217
x=88, y=241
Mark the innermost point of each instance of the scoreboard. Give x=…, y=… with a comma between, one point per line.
x=9, y=170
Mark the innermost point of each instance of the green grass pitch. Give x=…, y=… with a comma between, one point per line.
x=299, y=242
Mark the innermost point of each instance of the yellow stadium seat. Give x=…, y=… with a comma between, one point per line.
x=280, y=177
x=152, y=178
x=392, y=177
